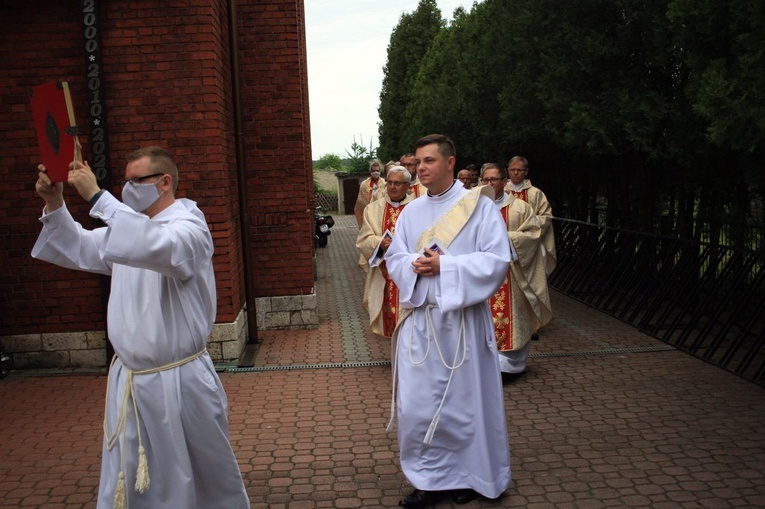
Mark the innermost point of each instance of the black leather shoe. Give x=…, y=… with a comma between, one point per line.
x=508, y=378
x=464, y=496
x=418, y=498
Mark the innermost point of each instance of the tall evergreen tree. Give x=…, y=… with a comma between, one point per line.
x=409, y=42
x=654, y=109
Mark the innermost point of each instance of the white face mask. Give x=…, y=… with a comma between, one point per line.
x=375, y=174
x=140, y=197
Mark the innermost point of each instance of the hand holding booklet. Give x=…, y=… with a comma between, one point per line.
x=436, y=246
x=378, y=254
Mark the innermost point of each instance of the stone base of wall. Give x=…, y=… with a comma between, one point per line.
x=87, y=350
x=290, y=312
x=227, y=341
x=57, y=350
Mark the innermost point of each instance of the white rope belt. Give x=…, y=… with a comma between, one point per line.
x=430, y=331
x=142, y=479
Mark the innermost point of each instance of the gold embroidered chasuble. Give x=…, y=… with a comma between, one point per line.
x=522, y=304
x=418, y=190
x=538, y=201
x=380, y=292
x=369, y=191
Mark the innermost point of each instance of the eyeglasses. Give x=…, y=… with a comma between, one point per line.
x=465, y=179
x=410, y=165
x=393, y=183
x=139, y=180
x=491, y=181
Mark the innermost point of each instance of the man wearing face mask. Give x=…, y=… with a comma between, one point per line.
x=370, y=189
x=166, y=425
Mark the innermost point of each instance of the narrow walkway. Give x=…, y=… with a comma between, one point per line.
x=605, y=417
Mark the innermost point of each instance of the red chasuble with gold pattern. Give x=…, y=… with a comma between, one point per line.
x=390, y=300
x=417, y=190
x=521, y=195
x=502, y=307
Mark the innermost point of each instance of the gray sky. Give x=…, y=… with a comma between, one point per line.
x=347, y=43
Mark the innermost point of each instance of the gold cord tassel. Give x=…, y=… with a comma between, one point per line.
x=142, y=480
x=120, y=497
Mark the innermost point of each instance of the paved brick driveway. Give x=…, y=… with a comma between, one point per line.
x=605, y=417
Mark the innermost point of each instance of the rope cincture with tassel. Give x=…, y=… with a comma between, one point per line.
x=120, y=497
x=430, y=331
x=142, y=479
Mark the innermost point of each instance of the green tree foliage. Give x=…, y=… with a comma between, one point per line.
x=723, y=44
x=359, y=156
x=409, y=42
x=330, y=162
x=446, y=67
x=654, y=109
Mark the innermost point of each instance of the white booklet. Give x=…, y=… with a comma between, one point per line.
x=438, y=247
x=378, y=254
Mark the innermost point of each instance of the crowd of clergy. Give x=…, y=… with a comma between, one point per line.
x=521, y=306
x=480, y=311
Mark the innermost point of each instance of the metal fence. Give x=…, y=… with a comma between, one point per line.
x=704, y=299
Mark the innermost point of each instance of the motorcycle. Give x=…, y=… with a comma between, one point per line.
x=322, y=224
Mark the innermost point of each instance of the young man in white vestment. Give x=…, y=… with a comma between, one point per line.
x=175, y=451
x=449, y=255
x=522, y=304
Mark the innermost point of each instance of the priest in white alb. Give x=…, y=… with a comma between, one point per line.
x=166, y=438
x=449, y=255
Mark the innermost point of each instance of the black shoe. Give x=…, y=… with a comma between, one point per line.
x=419, y=498
x=464, y=496
x=508, y=378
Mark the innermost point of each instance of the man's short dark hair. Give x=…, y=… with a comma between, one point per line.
x=445, y=145
x=161, y=161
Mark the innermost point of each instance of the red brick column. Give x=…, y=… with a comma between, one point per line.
x=165, y=83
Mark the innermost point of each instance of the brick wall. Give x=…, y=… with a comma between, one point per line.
x=275, y=90
x=36, y=297
x=169, y=84
x=165, y=83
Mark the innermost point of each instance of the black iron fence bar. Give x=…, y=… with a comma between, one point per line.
x=706, y=299
x=735, y=269
x=753, y=294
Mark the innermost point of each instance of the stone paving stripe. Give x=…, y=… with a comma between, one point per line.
x=605, y=351
x=342, y=365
